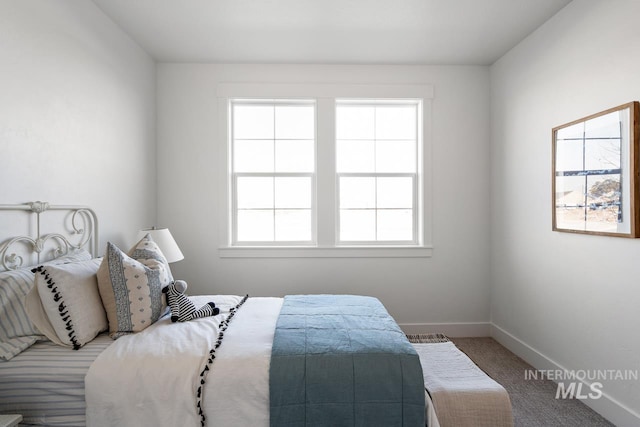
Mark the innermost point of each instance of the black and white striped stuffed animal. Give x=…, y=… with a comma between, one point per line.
x=182, y=309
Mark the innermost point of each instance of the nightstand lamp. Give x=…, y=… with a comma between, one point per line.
x=165, y=241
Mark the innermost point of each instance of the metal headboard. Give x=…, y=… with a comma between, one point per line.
x=83, y=233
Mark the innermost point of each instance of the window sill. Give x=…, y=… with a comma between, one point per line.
x=325, y=252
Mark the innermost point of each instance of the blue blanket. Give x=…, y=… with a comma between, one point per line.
x=341, y=360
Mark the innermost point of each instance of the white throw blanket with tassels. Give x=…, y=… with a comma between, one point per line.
x=152, y=377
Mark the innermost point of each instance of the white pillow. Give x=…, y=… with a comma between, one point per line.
x=17, y=332
x=71, y=301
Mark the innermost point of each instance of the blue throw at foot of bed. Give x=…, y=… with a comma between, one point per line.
x=341, y=360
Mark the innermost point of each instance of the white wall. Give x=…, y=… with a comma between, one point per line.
x=78, y=109
x=77, y=114
x=563, y=299
x=452, y=286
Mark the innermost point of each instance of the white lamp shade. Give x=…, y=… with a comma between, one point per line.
x=165, y=241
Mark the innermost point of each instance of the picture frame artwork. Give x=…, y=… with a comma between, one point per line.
x=595, y=182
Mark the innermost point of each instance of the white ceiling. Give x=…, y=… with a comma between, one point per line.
x=330, y=31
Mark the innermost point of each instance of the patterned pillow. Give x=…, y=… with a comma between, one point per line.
x=131, y=286
x=69, y=298
x=17, y=332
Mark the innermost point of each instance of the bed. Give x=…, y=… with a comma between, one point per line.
x=298, y=360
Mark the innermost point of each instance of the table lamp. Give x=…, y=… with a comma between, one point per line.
x=165, y=241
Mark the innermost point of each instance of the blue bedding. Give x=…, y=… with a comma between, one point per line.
x=341, y=360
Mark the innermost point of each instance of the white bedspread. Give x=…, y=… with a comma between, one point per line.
x=151, y=378
x=238, y=384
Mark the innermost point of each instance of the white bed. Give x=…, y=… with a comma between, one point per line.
x=145, y=378
x=46, y=383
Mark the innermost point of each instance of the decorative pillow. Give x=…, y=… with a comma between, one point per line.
x=131, y=286
x=71, y=301
x=17, y=332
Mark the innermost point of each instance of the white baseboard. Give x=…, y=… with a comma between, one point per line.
x=453, y=330
x=606, y=406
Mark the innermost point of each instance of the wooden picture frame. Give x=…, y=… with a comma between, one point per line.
x=595, y=181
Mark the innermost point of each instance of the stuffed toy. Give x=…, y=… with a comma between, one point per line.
x=182, y=309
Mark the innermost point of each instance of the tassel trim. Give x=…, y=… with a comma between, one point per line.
x=62, y=308
x=224, y=324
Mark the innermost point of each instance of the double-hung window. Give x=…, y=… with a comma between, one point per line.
x=273, y=171
x=326, y=170
x=378, y=171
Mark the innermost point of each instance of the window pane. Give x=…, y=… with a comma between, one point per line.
x=396, y=122
x=357, y=193
x=253, y=155
x=571, y=132
x=295, y=156
x=295, y=122
x=395, y=192
x=354, y=122
x=569, y=155
x=293, y=225
x=255, y=225
x=254, y=192
x=570, y=201
x=570, y=190
x=604, y=211
x=253, y=122
x=357, y=225
x=602, y=154
x=607, y=126
x=293, y=192
x=603, y=190
x=395, y=224
x=396, y=156
x=356, y=156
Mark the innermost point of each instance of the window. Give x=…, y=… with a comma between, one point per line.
x=273, y=150
x=377, y=170
x=325, y=170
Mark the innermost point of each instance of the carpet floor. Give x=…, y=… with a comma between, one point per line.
x=533, y=402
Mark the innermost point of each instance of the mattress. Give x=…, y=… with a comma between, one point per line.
x=46, y=383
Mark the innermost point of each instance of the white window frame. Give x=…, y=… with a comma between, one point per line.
x=325, y=204
x=415, y=176
x=235, y=175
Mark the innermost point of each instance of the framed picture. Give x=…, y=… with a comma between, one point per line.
x=595, y=181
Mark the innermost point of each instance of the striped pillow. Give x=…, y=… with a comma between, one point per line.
x=17, y=332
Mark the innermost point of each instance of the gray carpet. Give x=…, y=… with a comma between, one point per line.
x=533, y=401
